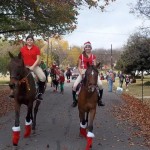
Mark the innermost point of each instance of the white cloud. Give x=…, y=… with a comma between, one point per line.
x=103, y=29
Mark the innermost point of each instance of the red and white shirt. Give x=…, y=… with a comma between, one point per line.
x=30, y=55
x=85, y=60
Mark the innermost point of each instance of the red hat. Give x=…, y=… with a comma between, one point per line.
x=87, y=43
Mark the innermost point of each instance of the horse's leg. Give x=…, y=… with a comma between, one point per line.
x=90, y=134
x=83, y=124
x=28, y=121
x=16, y=128
x=35, y=113
x=87, y=117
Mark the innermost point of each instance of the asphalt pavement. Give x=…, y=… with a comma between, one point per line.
x=58, y=126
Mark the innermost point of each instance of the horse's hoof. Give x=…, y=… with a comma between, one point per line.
x=15, y=147
x=33, y=131
x=33, y=128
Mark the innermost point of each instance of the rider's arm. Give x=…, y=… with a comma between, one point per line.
x=79, y=66
x=37, y=62
x=94, y=62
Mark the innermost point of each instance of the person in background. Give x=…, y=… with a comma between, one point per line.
x=111, y=80
x=121, y=79
x=44, y=68
x=84, y=58
x=127, y=81
x=53, y=72
x=68, y=74
x=61, y=81
x=101, y=76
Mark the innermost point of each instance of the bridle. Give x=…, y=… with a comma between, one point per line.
x=91, y=87
x=23, y=80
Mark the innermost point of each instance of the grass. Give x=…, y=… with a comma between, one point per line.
x=4, y=80
x=135, y=89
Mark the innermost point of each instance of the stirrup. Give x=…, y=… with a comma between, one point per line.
x=74, y=104
x=11, y=96
x=100, y=103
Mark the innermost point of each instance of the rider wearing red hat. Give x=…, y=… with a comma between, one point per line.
x=84, y=58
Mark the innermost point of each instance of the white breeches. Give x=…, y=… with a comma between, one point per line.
x=39, y=73
x=79, y=79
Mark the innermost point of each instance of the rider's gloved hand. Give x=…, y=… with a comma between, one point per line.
x=31, y=68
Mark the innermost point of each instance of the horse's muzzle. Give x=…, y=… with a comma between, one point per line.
x=12, y=85
x=91, y=88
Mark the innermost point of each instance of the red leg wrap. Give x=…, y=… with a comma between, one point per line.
x=16, y=137
x=27, y=131
x=89, y=143
x=83, y=132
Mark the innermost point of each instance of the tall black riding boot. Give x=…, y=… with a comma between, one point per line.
x=100, y=103
x=74, y=104
x=41, y=89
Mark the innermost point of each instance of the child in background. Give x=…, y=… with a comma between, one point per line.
x=127, y=80
x=61, y=81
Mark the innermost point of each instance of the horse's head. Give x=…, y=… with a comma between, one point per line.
x=91, y=76
x=16, y=68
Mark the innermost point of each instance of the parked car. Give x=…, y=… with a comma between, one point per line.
x=75, y=74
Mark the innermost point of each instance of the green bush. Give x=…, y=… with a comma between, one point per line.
x=147, y=83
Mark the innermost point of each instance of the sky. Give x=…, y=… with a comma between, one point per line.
x=105, y=28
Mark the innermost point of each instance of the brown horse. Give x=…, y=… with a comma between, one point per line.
x=87, y=102
x=24, y=86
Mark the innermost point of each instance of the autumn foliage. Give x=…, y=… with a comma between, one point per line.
x=138, y=114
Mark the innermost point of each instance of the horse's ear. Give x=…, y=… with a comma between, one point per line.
x=19, y=55
x=98, y=65
x=10, y=54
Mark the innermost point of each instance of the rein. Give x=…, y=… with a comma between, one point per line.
x=25, y=80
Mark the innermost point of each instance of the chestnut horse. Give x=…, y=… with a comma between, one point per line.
x=24, y=86
x=87, y=102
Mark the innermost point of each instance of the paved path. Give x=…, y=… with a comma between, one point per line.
x=58, y=126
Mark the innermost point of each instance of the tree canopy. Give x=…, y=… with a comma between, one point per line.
x=142, y=9
x=136, y=55
x=42, y=17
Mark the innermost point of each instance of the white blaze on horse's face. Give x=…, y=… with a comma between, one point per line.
x=92, y=73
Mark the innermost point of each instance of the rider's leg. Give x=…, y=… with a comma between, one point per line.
x=42, y=79
x=77, y=81
x=100, y=103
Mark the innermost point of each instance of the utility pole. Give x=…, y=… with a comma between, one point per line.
x=47, y=52
x=51, y=52
x=111, y=58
